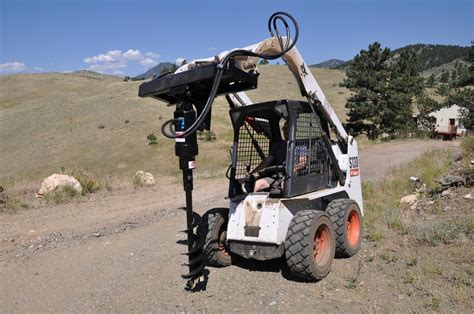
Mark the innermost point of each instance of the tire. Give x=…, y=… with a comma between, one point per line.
x=347, y=221
x=310, y=245
x=212, y=231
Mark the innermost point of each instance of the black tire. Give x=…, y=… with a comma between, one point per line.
x=211, y=231
x=348, y=235
x=308, y=258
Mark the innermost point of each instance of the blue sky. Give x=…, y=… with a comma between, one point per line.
x=128, y=37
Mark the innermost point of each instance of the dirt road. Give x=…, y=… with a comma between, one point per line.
x=120, y=252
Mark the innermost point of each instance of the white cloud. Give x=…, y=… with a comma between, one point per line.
x=118, y=73
x=148, y=62
x=110, y=56
x=211, y=48
x=179, y=61
x=131, y=54
x=12, y=67
x=38, y=69
x=117, y=60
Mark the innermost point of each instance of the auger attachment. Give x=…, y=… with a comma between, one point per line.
x=186, y=149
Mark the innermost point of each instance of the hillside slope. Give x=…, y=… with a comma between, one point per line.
x=431, y=56
x=155, y=71
x=434, y=59
x=85, y=120
x=329, y=64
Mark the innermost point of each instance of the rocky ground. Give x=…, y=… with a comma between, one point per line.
x=120, y=251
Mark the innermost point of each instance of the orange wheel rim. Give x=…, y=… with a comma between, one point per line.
x=322, y=245
x=353, y=228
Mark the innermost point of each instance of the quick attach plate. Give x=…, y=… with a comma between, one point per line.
x=195, y=84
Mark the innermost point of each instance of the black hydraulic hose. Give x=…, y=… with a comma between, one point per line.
x=273, y=29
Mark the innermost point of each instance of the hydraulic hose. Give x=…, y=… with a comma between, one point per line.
x=167, y=127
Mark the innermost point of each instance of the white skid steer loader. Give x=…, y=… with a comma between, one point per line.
x=295, y=193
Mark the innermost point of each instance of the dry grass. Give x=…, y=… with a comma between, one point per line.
x=61, y=195
x=427, y=252
x=13, y=205
x=50, y=121
x=382, y=198
x=435, y=232
x=467, y=145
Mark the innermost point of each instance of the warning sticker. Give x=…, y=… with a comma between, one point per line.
x=192, y=164
x=180, y=139
x=354, y=172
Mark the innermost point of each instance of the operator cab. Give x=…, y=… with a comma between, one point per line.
x=307, y=166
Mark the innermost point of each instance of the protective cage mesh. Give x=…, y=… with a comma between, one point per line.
x=253, y=145
x=310, y=154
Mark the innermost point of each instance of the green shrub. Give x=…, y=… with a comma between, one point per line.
x=152, y=139
x=88, y=180
x=13, y=205
x=206, y=135
x=62, y=195
x=435, y=232
x=383, y=210
x=467, y=145
x=137, y=183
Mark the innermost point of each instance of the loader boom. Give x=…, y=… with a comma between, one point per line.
x=307, y=83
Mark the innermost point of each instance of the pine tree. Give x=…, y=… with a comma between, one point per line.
x=464, y=95
x=431, y=81
x=444, y=78
x=368, y=78
x=443, y=89
x=454, y=75
x=406, y=83
x=383, y=91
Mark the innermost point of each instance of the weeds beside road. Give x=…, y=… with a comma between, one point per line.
x=429, y=243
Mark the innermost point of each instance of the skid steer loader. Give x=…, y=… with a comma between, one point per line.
x=311, y=208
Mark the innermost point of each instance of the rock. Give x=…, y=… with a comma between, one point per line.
x=410, y=199
x=141, y=178
x=468, y=196
x=272, y=303
x=55, y=181
x=450, y=180
x=457, y=157
x=97, y=234
x=445, y=192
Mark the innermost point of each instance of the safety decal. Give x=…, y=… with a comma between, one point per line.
x=180, y=139
x=354, y=166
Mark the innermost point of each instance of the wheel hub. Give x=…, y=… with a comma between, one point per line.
x=322, y=242
x=353, y=228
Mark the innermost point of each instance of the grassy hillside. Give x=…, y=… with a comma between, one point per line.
x=97, y=122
